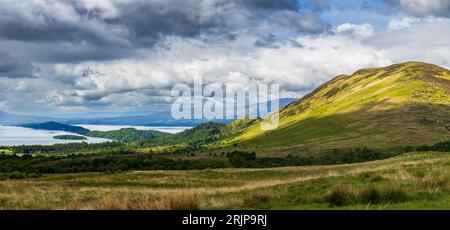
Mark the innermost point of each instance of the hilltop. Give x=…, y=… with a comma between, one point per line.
x=381, y=108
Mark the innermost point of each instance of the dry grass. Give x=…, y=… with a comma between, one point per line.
x=257, y=199
x=232, y=188
x=179, y=202
x=393, y=193
x=341, y=195
x=143, y=202
x=434, y=182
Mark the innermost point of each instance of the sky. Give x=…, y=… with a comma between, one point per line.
x=67, y=57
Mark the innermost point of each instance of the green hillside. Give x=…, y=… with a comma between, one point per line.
x=381, y=108
x=69, y=137
x=128, y=134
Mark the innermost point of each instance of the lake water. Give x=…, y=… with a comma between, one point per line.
x=11, y=135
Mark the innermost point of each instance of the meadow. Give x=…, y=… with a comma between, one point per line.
x=418, y=180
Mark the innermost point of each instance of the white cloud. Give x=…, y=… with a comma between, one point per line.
x=360, y=31
x=296, y=69
x=423, y=8
x=403, y=23
x=424, y=41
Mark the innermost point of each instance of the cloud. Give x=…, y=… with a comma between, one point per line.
x=423, y=8
x=319, y=5
x=12, y=67
x=305, y=64
x=101, y=30
x=53, y=21
x=403, y=23
x=126, y=55
x=359, y=31
x=423, y=41
x=269, y=41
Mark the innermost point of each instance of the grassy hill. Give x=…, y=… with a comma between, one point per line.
x=129, y=134
x=381, y=108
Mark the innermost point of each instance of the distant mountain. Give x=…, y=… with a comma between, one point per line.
x=156, y=119
x=381, y=108
x=159, y=119
x=13, y=119
x=55, y=126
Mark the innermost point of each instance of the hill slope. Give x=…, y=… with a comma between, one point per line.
x=381, y=108
x=129, y=134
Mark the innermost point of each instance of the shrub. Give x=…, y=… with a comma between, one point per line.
x=17, y=175
x=408, y=149
x=340, y=196
x=238, y=161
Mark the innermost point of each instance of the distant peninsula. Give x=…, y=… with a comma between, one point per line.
x=126, y=134
x=69, y=137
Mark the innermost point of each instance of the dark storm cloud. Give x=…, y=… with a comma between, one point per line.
x=149, y=21
x=73, y=30
x=56, y=41
x=15, y=27
x=12, y=67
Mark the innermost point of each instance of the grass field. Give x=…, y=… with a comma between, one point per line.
x=410, y=181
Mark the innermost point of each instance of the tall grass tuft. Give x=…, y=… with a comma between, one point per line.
x=340, y=196
x=434, y=181
x=110, y=203
x=184, y=201
x=173, y=202
x=343, y=196
x=257, y=199
x=393, y=194
x=369, y=195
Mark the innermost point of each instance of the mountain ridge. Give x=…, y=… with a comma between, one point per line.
x=384, y=108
